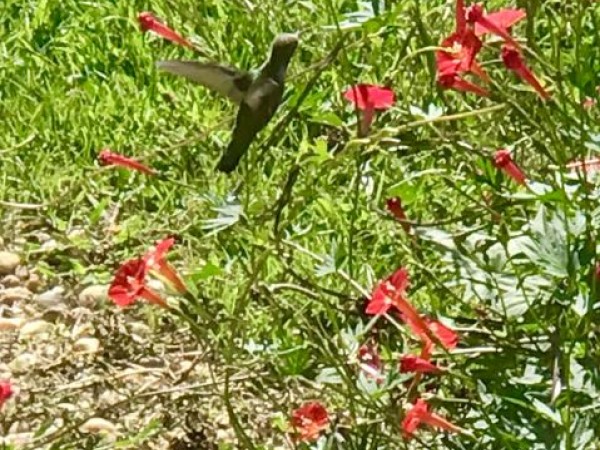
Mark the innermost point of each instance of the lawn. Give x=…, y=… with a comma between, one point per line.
x=423, y=278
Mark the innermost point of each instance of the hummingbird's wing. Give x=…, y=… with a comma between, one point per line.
x=259, y=106
x=227, y=81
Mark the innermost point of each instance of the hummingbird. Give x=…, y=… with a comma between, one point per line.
x=258, y=94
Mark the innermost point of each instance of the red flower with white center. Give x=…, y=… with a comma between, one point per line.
x=458, y=55
x=309, y=421
x=381, y=298
x=129, y=284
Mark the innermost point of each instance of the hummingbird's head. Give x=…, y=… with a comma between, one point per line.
x=284, y=46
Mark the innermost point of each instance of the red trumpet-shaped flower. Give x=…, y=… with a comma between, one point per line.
x=454, y=81
x=148, y=22
x=157, y=260
x=394, y=206
x=503, y=19
x=310, y=420
x=447, y=337
x=513, y=60
x=129, y=284
x=6, y=391
x=475, y=16
x=413, y=363
x=369, y=98
x=381, y=300
x=503, y=161
x=392, y=292
x=420, y=414
x=458, y=55
x=110, y=158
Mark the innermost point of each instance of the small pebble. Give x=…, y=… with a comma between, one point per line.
x=55, y=314
x=76, y=233
x=51, y=298
x=35, y=327
x=42, y=237
x=34, y=282
x=15, y=294
x=23, y=363
x=17, y=440
x=92, y=296
x=11, y=324
x=49, y=245
x=108, y=397
x=22, y=272
x=81, y=329
x=68, y=407
x=86, y=345
x=8, y=262
x=10, y=281
x=97, y=425
x=139, y=328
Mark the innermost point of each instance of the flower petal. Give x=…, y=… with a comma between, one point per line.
x=503, y=19
x=309, y=420
x=368, y=96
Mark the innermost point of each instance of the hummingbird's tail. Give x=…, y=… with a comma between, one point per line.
x=231, y=158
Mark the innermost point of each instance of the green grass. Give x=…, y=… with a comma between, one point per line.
x=76, y=77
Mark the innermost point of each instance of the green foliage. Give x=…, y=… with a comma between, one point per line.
x=284, y=252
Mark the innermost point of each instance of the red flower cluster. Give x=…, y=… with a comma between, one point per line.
x=309, y=420
x=391, y=293
x=130, y=282
x=460, y=49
